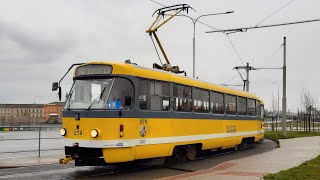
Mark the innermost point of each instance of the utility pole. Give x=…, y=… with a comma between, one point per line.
x=284, y=98
x=248, y=69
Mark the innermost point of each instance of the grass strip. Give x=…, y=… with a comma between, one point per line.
x=307, y=170
x=276, y=135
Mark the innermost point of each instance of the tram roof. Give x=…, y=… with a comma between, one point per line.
x=156, y=74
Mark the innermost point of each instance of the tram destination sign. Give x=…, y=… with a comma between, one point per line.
x=93, y=69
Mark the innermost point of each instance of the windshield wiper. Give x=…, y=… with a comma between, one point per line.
x=99, y=97
x=68, y=102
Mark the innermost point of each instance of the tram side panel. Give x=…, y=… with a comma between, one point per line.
x=154, y=138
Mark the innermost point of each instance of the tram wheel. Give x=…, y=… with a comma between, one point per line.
x=159, y=161
x=192, y=152
x=236, y=148
x=162, y=160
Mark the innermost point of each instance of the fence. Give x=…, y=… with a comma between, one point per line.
x=23, y=139
x=293, y=125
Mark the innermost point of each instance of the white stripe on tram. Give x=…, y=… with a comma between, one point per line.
x=149, y=141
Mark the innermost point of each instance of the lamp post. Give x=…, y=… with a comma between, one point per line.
x=194, y=21
x=278, y=102
x=2, y=117
x=34, y=109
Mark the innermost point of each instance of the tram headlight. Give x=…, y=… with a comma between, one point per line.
x=63, y=131
x=94, y=133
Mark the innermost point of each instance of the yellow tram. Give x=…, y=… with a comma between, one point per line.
x=121, y=112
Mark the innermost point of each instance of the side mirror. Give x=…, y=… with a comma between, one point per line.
x=127, y=100
x=55, y=86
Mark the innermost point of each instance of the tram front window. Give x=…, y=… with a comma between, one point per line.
x=112, y=93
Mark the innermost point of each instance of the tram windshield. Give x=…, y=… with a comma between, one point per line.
x=110, y=93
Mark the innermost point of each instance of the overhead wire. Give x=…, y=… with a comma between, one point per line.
x=233, y=78
x=276, y=51
x=157, y=3
x=235, y=49
x=245, y=29
x=274, y=13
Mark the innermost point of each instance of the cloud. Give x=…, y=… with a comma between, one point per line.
x=17, y=43
x=39, y=40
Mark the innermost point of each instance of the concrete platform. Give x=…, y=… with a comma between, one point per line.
x=292, y=153
x=13, y=162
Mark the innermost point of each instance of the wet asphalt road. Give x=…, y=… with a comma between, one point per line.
x=57, y=171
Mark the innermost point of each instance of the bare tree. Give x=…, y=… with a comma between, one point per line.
x=308, y=103
x=274, y=110
x=308, y=99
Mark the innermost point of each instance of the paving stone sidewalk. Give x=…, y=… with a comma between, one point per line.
x=292, y=153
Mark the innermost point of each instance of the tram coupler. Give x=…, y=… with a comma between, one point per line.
x=66, y=160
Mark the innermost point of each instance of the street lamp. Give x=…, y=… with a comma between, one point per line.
x=2, y=117
x=34, y=109
x=194, y=21
x=278, y=100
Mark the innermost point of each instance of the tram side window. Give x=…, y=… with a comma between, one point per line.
x=154, y=95
x=122, y=92
x=258, y=108
x=231, y=104
x=200, y=100
x=251, y=107
x=182, y=98
x=242, y=106
x=216, y=103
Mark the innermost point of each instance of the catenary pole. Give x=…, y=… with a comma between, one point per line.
x=284, y=98
x=278, y=114
x=247, y=81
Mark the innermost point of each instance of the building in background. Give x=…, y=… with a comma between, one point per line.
x=53, y=112
x=21, y=114
x=30, y=114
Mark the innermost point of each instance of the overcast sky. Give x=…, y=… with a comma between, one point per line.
x=39, y=40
